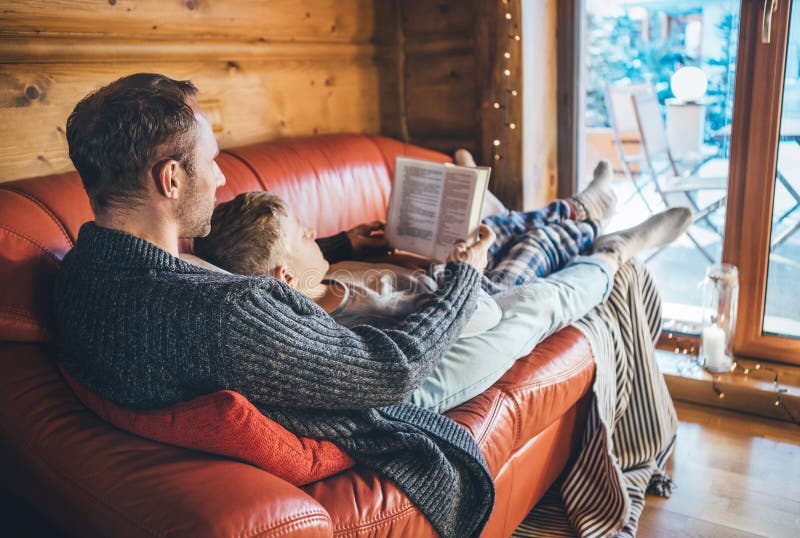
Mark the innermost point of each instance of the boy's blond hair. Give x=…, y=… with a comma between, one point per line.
x=245, y=235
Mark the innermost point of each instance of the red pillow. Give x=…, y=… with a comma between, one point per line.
x=227, y=424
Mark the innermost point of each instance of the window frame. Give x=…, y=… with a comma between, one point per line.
x=751, y=188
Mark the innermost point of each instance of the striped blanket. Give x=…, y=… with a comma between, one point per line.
x=630, y=431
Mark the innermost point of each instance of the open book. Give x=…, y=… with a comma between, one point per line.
x=433, y=205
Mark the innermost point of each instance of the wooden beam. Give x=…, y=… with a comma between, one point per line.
x=568, y=93
x=400, y=59
x=494, y=36
x=74, y=49
x=457, y=45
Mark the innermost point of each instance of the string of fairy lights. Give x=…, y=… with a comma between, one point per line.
x=686, y=346
x=499, y=143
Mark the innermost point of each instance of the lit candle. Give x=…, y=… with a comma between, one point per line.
x=714, y=349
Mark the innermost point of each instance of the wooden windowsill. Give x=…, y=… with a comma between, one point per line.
x=754, y=393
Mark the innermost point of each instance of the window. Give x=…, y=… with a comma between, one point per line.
x=637, y=47
x=733, y=157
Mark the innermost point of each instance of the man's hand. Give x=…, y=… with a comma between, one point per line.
x=368, y=239
x=477, y=254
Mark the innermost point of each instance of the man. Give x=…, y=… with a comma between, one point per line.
x=257, y=234
x=145, y=329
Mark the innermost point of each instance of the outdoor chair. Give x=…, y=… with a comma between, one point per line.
x=676, y=189
x=625, y=131
x=788, y=174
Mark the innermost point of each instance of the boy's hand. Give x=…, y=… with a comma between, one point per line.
x=368, y=239
x=475, y=255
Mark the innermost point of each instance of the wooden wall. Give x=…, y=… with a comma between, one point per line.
x=451, y=60
x=441, y=95
x=541, y=171
x=425, y=72
x=264, y=69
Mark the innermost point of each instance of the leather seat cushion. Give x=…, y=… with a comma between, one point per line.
x=532, y=395
x=225, y=423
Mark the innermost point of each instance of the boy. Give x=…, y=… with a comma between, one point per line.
x=256, y=234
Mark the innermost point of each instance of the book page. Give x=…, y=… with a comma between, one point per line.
x=455, y=210
x=414, y=205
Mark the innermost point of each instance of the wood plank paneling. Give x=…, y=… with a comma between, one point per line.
x=265, y=69
x=276, y=20
x=441, y=92
x=439, y=84
x=256, y=101
x=409, y=69
x=435, y=20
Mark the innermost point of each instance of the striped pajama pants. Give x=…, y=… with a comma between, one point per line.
x=534, y=244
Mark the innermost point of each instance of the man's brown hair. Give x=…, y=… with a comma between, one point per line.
x=117, y=134
x=245, y=234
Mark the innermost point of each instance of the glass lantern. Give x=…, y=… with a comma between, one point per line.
x=720, y=299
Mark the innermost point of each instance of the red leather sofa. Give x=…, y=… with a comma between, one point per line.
x=92, y=479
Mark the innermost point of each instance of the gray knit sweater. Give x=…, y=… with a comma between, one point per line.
x=146, y=330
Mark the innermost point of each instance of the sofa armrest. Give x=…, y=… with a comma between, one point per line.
x=93, y=479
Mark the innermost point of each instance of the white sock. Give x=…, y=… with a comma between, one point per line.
x=597, y=201
x=657, y=231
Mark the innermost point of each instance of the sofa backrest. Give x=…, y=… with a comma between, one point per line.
x=332, y=182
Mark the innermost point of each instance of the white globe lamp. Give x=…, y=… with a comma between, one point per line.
x=689, y=84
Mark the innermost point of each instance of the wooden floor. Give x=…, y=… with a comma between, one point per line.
x=737, y=476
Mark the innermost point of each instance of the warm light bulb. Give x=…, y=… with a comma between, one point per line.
x=507, y=72
x=514, y=93
x=512, y=126
x=496, y=105
x=496, y=142
x=507, y=55
x=689, y=83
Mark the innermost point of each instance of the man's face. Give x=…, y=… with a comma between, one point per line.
x=302, y=257
x=197, y=201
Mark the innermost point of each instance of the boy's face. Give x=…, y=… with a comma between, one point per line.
x=303, y=259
